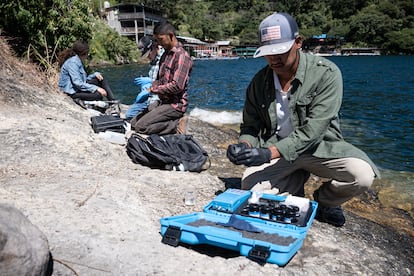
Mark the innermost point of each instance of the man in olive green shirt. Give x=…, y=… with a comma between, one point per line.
x=290, y=125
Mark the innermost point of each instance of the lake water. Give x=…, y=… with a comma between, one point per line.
x=376, y=115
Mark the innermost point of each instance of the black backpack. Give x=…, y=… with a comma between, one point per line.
x=169, y=152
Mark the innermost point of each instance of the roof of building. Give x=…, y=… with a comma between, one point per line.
x=191, y=40
x=223, y=43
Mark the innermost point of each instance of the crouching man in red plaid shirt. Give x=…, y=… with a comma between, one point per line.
x=163, y=117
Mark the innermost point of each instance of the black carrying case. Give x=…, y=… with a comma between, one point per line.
x=107, y=122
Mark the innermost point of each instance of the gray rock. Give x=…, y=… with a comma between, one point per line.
x=24, y=248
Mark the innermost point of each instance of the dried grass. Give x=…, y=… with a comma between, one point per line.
x=23, y=82
x=12, y=67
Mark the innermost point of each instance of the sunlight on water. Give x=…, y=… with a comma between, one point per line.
x=396, y=189
x=217, y=117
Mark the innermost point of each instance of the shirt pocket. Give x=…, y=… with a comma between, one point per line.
x=302, y=108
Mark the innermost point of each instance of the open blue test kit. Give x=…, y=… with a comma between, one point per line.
x=263, y=227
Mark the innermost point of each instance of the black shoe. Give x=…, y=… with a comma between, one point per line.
x=80, y=103
x=332, y=215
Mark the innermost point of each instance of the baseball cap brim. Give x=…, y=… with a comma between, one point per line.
x=145, y=45
x=145, y=52
x=273, y=49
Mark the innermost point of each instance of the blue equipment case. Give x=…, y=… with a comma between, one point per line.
x=265, y=231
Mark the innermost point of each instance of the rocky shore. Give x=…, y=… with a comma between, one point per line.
x=100, y=212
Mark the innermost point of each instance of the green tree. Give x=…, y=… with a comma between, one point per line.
x=343, y=9
x=108, y=46
x=370, y=26
x=45, y=25
x=400, y=41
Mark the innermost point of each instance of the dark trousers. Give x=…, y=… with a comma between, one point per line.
x=87, y=96
x=162, y=119
x=96, y=96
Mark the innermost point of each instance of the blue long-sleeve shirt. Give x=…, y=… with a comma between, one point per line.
x=73, y=77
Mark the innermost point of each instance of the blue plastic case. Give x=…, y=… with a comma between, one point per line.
x=277, y=242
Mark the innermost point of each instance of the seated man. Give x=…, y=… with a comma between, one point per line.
x=171, y=86
x=291, y=128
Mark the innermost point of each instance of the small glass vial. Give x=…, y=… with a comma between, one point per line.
x=189, y=197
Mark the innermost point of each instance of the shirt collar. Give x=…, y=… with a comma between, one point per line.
x=300, y=72
x=175, y=48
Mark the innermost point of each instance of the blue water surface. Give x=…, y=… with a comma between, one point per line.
x=377, y=109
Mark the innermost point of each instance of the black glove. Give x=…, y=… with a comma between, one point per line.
x=234, y=150
x=253, y=157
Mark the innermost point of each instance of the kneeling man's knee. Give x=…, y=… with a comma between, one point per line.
x=363, y=172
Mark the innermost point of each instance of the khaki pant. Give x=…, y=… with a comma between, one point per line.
x=160, y=119
x=349, y=177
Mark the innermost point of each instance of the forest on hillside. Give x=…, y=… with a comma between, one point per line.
x=40, y=29
x=387, y=24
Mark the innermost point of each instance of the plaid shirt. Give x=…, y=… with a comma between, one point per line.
x=173, y=77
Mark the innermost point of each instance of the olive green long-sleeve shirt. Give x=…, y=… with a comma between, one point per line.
x=315, y=101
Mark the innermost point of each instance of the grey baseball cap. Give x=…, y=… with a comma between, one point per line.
x=145, y=45
x=277, y=33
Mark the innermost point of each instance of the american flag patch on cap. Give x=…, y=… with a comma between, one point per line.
x=270, y=33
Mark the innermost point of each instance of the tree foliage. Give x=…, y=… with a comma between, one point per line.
x=401, y=41
x=42, y=28
x=46, y=24
x=108, y=46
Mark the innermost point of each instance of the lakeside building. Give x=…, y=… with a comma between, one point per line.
x=246, y=51
x=132, y=20
x=323, y=45
x=216, y=50
x=361, y=51
x=191, y=44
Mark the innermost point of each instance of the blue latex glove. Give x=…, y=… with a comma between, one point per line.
x=144, y=94
x=234, y=150
x=142, y=97
x=142, y=81
x=253, y=157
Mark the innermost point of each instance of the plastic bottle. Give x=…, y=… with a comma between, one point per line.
x=113, y=137
x=100, y=104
